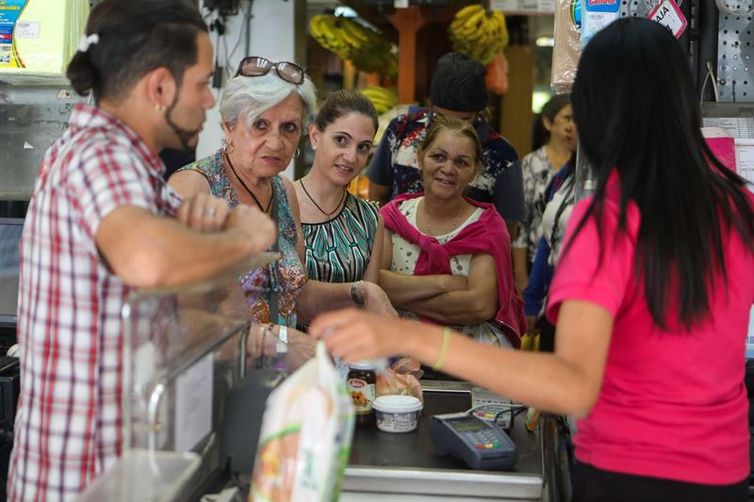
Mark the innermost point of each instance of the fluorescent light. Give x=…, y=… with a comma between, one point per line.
x=545, y=42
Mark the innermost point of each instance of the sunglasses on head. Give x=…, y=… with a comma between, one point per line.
x=255, y=66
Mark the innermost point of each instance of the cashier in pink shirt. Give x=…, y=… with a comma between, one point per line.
x=651, y=297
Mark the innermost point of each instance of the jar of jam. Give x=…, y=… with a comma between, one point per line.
x=361, y=381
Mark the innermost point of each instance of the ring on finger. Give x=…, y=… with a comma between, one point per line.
x=210, y=211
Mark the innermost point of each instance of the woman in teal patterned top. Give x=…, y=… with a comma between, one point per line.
x=264, y=110
x=342, y=233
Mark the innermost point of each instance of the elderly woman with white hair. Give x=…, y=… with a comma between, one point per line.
x=264, y=110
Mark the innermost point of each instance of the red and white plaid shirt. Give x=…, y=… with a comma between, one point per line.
x=69, y=421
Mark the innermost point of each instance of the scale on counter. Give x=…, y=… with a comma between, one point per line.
x=478, y=443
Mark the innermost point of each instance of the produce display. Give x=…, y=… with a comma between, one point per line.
x=383, y=99
x=351, y=40
x=478, y=33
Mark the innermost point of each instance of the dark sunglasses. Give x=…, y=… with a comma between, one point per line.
x=255, y=66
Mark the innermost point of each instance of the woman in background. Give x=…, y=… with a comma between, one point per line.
x=560, y=199
x=342, y=233
x=539, y=167
x=446, y=257
x=651, y=296
x=457, y=90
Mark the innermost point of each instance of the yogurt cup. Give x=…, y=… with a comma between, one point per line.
x=397, y=413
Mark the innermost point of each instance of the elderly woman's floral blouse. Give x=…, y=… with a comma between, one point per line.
x=282, y=280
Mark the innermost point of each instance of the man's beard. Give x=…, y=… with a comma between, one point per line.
x=184, y=135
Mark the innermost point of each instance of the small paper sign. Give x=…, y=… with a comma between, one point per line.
x=670, y=16
x=27, y=29
x=193, y=404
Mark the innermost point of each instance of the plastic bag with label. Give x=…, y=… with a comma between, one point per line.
x=306, y=436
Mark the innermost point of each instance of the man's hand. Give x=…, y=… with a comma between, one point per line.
x=206, y=213
x=203, y=212
x=254, y=224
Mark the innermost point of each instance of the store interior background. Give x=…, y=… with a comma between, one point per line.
x=278, y=30
x=32, y=116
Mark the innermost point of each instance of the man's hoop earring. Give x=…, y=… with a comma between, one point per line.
x=298, y=152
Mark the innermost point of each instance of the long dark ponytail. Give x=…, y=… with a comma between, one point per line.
x=637, y=112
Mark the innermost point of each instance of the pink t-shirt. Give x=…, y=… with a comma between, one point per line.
x=672, y=405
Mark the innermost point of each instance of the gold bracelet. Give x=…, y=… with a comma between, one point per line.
x=443, y=349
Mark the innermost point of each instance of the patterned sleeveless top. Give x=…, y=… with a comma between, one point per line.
x=275, y=286
x=338, y=250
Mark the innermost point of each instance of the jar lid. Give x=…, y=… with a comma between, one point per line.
x=362, y=365
x=397, y=404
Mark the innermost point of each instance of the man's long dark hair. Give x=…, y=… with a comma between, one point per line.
x=637, y=112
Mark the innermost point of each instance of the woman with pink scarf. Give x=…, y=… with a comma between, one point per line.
x=446, y=258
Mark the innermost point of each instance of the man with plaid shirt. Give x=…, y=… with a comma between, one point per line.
x=101, y=222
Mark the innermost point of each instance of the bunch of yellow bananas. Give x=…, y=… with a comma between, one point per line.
x=383, y=99
x=478, y=33
x=366, y=48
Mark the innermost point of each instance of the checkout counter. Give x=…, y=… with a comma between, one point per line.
x=195, y=385
x=405, y=466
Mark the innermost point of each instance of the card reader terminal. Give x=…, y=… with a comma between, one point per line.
x=479, y=444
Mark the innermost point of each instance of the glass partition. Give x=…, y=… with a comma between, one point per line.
x=185, y=351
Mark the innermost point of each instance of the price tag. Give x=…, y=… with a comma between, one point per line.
x=670, y=16
x=27, y=29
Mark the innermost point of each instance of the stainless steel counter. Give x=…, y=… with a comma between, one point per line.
x=405, y=466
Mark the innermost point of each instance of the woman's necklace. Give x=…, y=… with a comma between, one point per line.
x=269, y=204
x=449, y=221
x=317, y=205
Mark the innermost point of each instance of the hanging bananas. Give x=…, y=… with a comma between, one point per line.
x=366, y=48
x=478, y=33
x=383, y=99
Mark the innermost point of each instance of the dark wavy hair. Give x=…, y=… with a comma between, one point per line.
x=135, y=37
x=637, y=112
